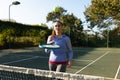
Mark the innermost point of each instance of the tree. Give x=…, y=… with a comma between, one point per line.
x=103, y=14
x=102, y=11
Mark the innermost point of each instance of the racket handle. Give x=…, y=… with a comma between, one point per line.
x=47, y=51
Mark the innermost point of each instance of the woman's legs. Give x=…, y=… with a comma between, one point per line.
x=52, y=67
x=57, y=67
x=61, y=68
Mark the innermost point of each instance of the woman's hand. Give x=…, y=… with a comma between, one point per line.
x=69, y=63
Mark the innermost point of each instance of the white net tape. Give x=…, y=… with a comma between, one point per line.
x=45, y=73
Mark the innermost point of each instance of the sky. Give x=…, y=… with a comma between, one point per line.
x=35, y=11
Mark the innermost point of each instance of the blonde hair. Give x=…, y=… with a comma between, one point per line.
x=53, y=34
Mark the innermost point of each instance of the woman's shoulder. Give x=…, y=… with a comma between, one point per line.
x=50, y=37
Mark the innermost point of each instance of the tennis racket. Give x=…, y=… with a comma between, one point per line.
x=49, y=46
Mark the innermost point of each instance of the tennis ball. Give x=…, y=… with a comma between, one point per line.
x=56, y=9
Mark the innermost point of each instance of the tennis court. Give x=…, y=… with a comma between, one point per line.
x=104, y=62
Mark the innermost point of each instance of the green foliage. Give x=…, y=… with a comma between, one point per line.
x=2, y=42
x=115, y=37
x=6, y=36
x=101, y=10
x=102, y=14
x=15, y=35
x=8, y=31
x=26, y=41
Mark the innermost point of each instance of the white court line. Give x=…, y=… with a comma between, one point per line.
x=82, y=60
x=117, y=72
x=92, y=62
x=78, y=50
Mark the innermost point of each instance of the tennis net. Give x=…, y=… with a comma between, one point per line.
x=22, y=73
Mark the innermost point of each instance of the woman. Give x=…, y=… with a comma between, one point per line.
x=58, y=60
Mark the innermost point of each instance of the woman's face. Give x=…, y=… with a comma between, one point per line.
x=58, y=27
